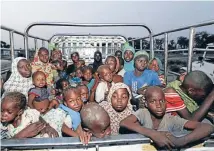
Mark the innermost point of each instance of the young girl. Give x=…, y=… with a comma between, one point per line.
x=72, y=105
x=88, y=79
x=40, y=89
x=84, y=93
x=17, y=118
x=128, y=55
x=105, y=83
x=118, y=105
x=114, y=64
x=61, y=85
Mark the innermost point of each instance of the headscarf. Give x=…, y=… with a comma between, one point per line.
x=116, y=117
x=128, y=66
x=160, y=65
x=16, y=82
x=37, y=65
x=96, y=64
x=141, y=52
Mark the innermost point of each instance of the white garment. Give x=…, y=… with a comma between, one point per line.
x=101, y=91
x=17, y=83
x=121, y=72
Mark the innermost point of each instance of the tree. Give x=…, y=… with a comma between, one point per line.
x=159, y=43
x=172, y=45
x=202, y=39
x=183, y=42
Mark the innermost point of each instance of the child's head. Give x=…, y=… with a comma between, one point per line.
x=41, y=104
x=80, y=63
x=84, y=93
x=39, y=79
x=119, y=96
x=12, y=106
x=141, y=62
x=75, y=57
x=57, y=65
x=121, y=61
x=79, y=73
x=118, y=54
x=128, y=54
x=155, y=101
x=43, y=54
x=154, y=65
x=105, y=73
x=24, y=68
x=72, y=98
x=62, y=84
x=197, y=85
x=87, y=73
x=112, y=62
x=95, y=120
x=97, y=56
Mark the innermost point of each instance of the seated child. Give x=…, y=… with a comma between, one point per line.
x=77, y=79
x=95, y=120
x=63, y=73
x=88, y=79
x=40, y=89
x=104, y=85
x=118, y=105
x=80, y=63
x=61, y=85
x=84, y=93
x=121, y=70
x=158, y=126
x=16, y=118
x=72, y=105
x=114, y=64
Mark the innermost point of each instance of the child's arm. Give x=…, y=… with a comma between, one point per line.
x=200, y=131
x=160, y=138
x=68, y=131
x=31, y=97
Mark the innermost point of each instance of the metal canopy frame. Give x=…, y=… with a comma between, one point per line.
x=65, y=24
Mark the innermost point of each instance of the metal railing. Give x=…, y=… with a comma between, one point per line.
x=91, y=25
x=11, y=36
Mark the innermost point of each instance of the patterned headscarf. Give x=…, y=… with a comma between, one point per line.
x=116, y=117
x=37, y=65
x=17, y=83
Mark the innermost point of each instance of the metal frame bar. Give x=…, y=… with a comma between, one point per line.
x=165, y=56
x=70, y=34
x=89, y=25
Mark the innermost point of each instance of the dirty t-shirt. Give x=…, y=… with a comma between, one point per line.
x=169, y=122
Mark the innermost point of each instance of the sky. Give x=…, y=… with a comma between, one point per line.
x=159, y=16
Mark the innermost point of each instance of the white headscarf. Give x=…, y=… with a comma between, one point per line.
x=16, y=82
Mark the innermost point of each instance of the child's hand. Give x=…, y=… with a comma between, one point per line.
x=162, y=139
x=53, y=104
x=177, y=141
x=50, y=131
x=85, y=137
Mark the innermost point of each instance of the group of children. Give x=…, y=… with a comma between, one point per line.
x=96, y=100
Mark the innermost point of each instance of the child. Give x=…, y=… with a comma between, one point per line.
x=80, y=64
x=104, y=85
x=158, y=126
x=17, y=118
x=141, y=76
x=95, y=120
x=121, y=70
x=61, y=85
x=128, y=55
x=72, y=105
x=56, y=118
x=84, y=93
x=79, y=73
x=63, y=73
x=118, y=54
x=114, y=64
x=118, y=105
x=88, y=80
x=40, y=89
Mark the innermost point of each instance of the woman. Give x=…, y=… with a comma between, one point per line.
x=20, y=79
x=41, y=63
x=155, y=64
x=97, y=61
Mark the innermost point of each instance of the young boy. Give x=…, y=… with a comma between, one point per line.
x=141, y=76
x=157, y=125
x=95, y=120
x=84, y=93
x=103, y=87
